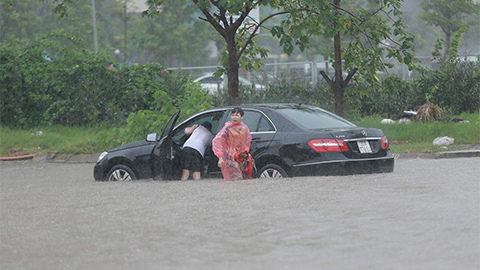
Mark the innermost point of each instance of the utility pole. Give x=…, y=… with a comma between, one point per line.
x=94, y=18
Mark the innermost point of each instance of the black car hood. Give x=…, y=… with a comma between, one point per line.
x=131, y=145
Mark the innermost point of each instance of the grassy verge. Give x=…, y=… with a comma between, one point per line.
x=415, y=137
x=57, y=139
x=404, y=138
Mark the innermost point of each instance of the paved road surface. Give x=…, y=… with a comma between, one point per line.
x=425, y=215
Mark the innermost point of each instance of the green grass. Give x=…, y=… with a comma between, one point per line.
x=416, y=137
x=59, y=139
x=404, y=138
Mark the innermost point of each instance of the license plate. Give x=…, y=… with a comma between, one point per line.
x=364, y=147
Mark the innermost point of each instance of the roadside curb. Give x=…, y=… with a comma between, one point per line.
x=53, y=158
x=69, y=158
x=413, y=155
x=458, y=154
x=439, y=155
x=23, y=157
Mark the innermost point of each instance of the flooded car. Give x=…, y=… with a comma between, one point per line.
x=287, y=140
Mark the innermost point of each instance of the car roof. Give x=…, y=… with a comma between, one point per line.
x=267, y=105
x=211, y=75
x=203, y=77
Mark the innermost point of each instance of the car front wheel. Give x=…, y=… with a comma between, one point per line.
x=272, y=171
x=121, y=173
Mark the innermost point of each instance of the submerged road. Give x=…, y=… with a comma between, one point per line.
x=425, y=215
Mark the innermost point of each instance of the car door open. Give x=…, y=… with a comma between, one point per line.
x=166, y=164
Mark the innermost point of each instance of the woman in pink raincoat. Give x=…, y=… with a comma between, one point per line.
x=233, y=138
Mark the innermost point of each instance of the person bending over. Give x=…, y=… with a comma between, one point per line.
x=194, y=149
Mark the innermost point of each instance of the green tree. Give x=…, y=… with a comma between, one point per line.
x=371, y=35
x=25, y=21
x=138, y=39
x=174, y=37
x=228, y=19
x=20, y=22
x=374, y=31
x=449, y=15
x=125, y=16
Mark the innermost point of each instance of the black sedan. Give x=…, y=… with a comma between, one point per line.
x=287, y=140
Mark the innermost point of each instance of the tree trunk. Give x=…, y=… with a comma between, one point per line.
x=338, y=91
x=232, y=70
x=338, y=86
x=448, y=41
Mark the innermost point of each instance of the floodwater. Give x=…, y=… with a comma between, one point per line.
x=425, y=215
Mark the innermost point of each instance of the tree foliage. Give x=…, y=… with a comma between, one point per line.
x=174, y=35
x=448, y=15
x=371, y=33
x=374, y=31
x=18, y=20
x=145, y=41
x=227, y=18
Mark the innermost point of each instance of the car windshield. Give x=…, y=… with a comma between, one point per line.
x=314, y=118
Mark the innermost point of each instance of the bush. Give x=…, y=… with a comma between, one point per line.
x=46, y=84
x=190, y=99
x=455, y=88
x=390, y=97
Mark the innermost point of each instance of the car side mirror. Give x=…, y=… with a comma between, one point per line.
x=152, y=137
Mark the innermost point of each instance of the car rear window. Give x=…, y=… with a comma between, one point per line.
x=314, y=118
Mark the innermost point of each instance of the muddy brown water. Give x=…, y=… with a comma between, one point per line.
x=425, y=215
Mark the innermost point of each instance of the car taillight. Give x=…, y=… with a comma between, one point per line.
x=328, y=145
x=385, y=144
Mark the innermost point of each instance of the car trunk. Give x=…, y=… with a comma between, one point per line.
x=361, y=142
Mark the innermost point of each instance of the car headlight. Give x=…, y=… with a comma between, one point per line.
x=102, y=155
